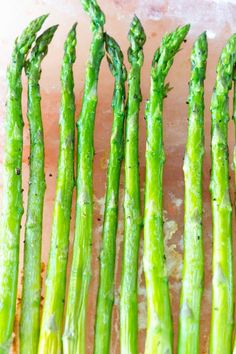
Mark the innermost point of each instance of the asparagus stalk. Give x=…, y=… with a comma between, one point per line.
x=159, y=321
x=222, y=264
x=105, y=296
x=191, y=294
x=234, y=119
x=75, y=319
x=12, y=185
x=132, y=208
x=31, y=294
x=234, y=161
x=52, y=317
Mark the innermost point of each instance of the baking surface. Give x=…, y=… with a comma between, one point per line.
x=158, y=17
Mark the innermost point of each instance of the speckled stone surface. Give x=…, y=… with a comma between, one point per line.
x=158, y=17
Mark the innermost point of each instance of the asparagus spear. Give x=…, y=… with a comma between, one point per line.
x=105, y=296
x=31, y=294
x=12, y=185
x=159, y=322
x=234, y=119
x=234, y=161
x=51, y=325
x=191, y=294
x=222, y=283
x=132, y=208
x=75, y=320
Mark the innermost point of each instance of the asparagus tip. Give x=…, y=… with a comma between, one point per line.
x=136, y=34
x=202, y=37
x=36, y=23
x=115, y=57
x=41, y=19
x=71, y=34
x=95, y=12
x=137, y=39
x=70, y=43
x=185, y=29
x=201, y=47
x=43, y=41
x=24, y=42
x=74, y=26
x=176, y=37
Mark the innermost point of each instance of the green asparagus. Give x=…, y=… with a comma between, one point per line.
x=159, y=337
x=234, y=119
x=234, y=161
x=222, y=318
x=75, y=319
x=107, y=256
x=51, y=325
x=132, y=207
x=12, y=185
x=31, y=294
x=191, y=294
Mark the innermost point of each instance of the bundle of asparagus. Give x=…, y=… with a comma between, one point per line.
x=49, y=336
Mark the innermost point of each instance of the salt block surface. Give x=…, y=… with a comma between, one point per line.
x=217, y=17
